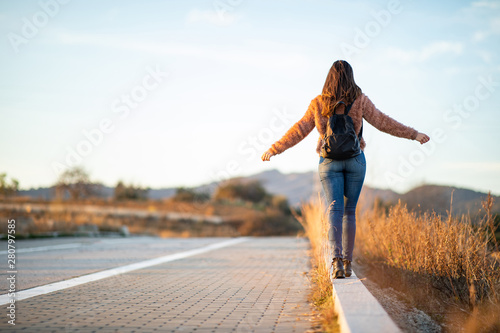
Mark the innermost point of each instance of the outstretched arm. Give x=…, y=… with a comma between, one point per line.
x=386, y=124
x=294, y=135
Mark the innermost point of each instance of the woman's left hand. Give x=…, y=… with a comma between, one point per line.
x=422, y=138
x=267, y=156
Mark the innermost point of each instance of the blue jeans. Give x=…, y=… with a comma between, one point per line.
x=342, y=179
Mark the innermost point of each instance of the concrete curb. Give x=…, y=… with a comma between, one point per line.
x=358, y=310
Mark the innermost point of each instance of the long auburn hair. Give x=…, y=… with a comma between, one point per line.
x=339, y=87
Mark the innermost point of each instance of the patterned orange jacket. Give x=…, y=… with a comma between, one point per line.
x=362, y=108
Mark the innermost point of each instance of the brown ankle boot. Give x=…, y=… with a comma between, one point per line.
x=337, y=269
x=347, y=268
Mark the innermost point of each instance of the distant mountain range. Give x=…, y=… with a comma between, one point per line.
x=300, y=187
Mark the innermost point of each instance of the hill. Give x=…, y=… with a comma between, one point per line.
x=438, y=198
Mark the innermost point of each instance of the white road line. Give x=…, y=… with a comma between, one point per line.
x=45, y=248
x=48, y=288
x=105, y=241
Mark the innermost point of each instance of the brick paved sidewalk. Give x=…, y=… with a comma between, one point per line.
x=255, y=286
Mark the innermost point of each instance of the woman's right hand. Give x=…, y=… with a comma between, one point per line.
x=267, y=156
x=422, y=138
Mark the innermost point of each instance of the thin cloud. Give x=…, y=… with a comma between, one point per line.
x=484, y=16
x=486, y=56
x=244, y=56
x=439, y=48
x=495, y=25
x=427, y=52
x=479, y=36
x=492, y=30
x=213, y=17
x=486, y=4
x=478, y=166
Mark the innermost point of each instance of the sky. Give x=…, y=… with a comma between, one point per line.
x=183, y=93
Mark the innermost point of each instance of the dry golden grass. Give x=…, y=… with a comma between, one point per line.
x=316, y=230
x=448, y=263
x=450, y=250
x=65, y=218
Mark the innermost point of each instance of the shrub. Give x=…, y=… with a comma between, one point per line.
x=130, y=192
x=75, y=183
x=189, y=195
x=237, y=189
x=7, y=188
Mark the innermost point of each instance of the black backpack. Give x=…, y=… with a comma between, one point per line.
x=340, y=140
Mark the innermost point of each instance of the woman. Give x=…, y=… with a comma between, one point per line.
x=341, y=178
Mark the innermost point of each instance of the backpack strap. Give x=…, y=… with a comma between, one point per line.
x=348, y=108
x=336, y=104
x=346, y=112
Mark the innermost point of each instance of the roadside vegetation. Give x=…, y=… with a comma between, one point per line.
x=446, y=266
x=8, y=187
x=236, y=207
x=449, y=267
x=316, y=230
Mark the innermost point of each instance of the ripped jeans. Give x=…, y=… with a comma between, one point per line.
x=342, y=179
